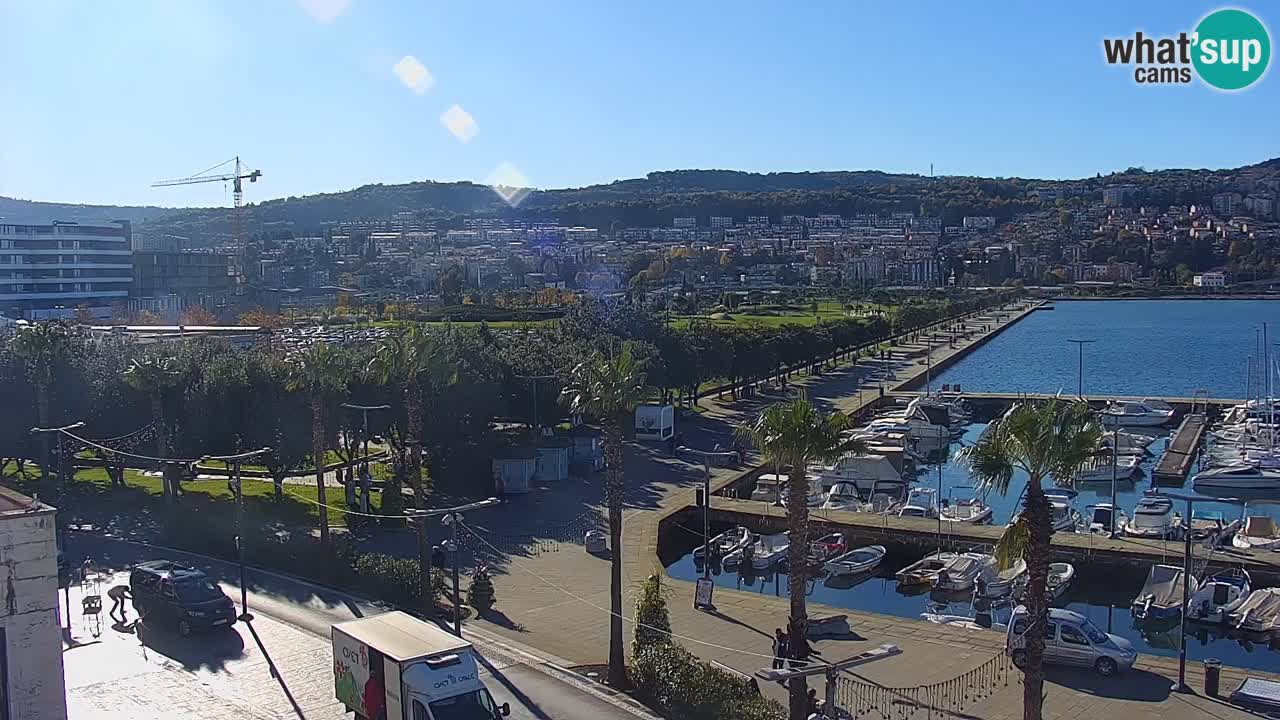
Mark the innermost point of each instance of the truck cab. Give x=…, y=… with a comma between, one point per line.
x=398, y=666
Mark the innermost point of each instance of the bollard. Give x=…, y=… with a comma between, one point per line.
x=1212, y=676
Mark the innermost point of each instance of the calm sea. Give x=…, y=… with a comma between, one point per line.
x=1168, y=348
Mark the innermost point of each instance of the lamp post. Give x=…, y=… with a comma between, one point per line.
x=62, y=484
x=453, y=518
x=534, y=379
x=1080, y=365
x=234, y=461
x=365, y=410
x=831, y=672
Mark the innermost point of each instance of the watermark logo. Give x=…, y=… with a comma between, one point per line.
x=1229, y=50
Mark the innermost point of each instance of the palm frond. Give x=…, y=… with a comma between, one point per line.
x=1013, y=543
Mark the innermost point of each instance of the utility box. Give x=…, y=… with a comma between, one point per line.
x=655, y=422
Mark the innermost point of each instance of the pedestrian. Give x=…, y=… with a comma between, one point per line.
x=798, y=649
x=815, y=707
x=86, y=569
x=779, y=648
x=118, y=594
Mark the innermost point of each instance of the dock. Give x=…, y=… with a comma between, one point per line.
x=1177, y=458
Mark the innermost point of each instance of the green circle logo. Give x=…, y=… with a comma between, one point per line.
x=1232, y=49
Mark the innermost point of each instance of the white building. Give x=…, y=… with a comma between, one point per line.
x=47, y=271
x=685, y=222
x=30, y=635
x=980, y=222
x=1209, y=280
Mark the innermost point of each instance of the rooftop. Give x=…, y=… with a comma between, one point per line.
x=13, y=502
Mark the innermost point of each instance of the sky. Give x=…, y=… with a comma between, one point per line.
x=103, y=98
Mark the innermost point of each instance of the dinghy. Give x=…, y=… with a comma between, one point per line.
x=961, y=573
x=723, y=544
x=854, y=562
x=1060, y=576
x=923, y=571
x=826, y=548
x=995, y=583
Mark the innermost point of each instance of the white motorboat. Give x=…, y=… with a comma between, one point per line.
x=723, y=544
x=1161, y=595
x=971, y=510
x=1126, y=443
x=1060, y=576
x=1259, y=533
x=1218, y=596
x=864, y=471
x=1237, y=476
x=1100, y=469
x=995, y=583
x=843, y=495
x=1153, y=517
x=961, y=573
x=1062, y=512
x=1102, y=515
x=854, y=562
x=1259, y=613
x=768, y=488
x=769, y=550
x=921, y=502
x=924, y=570
x=1141, y=413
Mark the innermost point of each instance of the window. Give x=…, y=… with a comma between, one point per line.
x=197, y=590
x=419, y=712
x=1072, y=636
x=1095, y=635
x=1050, y=630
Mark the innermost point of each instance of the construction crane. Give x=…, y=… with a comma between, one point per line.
x=237, y=178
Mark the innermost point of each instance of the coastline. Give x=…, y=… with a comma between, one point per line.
x=1075, y=298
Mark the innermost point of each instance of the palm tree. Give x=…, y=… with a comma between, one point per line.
x=793, y=434
x=1046, y=439
x=44, y=347
x=321, y=373
x=608, y=387
x=154, y=375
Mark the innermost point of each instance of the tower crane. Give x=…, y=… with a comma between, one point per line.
x=237, y=179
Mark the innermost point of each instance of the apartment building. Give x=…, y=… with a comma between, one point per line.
x=47, y=271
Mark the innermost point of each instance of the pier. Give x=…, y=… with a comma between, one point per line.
x=1177, y=458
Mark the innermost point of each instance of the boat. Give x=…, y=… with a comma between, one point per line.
x=1153, y=517
x=843, y=495
x=1259, y=613
x=1060, y=576
x=723, y=544
x=1101, y=517
x=1237, y=476
x=826, y=547
x=854, y=562
x=769, y=550
x=1126, y=443
x=1062, y=510
x=864, y=471
x=961, y=573
x=1140, y=413
x=1218, y=596
x=1100, y=469
x=995, y=583
x=1259, y=533
x=970, y=510
x=921, y=502
x=924, y=570
x=1161, y=596
x=1211, y=525
x=737, y=557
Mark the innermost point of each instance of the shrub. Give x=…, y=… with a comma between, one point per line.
x=480, y=592
x=653, y=621
x=675, y=683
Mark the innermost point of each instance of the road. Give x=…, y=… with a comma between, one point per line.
x=139, y=672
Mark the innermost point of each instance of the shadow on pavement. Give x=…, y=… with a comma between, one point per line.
x=511, y=688
x=499, y=618
x=271, y=665
x=209, y=650
x=1137, y=685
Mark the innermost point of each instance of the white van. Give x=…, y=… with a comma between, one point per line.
x=1070, y=639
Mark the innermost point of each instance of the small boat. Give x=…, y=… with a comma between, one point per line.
x=1259, y=533
x=1142, y=413
x=1259, y=613
x=1101, y=517
x=737, y=557
x=971, y=510
x=1161, y=596
x=1063, y=513
x=1211, y=524
x=826, y=547
x=921, y=502
x=1060, y=576
x=1126, y=444
x=1153, y=517
x=769, y=550
x=1239, y=475
x=854, y=562
x=1100, y=469
x=995, y=583
x=843, y=495
x=923, y=571
x=1218, y=596
x=961, y=573
x=723, y=544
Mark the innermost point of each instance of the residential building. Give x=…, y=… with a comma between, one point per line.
x=1118, y=194
x=47, y=271
x=196, y=277
x=1225, y=204
x=984, y=222
x=685, y=222
x=719, y=221
x=1209, y=280
x=31, y=678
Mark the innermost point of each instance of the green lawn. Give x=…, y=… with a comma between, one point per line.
x=772, y=316
x=494, y=324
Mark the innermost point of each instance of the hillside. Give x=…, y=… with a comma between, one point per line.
x=656, y=198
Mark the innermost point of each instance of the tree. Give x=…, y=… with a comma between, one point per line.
x=197, y=315
x=793, y=434
x=320, y=372
x=154, y=375
x=608, y=386
x=1045, y=440
x=44, y=348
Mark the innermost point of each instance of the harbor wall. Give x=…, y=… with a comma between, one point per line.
x=918, y=379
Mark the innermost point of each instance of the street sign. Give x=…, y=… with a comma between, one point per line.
x=702, y=594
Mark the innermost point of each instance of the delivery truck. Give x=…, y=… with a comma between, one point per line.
x=398, y=667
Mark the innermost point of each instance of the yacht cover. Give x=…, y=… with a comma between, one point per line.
x=1261, y=526
x=1164, y=586
x=1261, y=606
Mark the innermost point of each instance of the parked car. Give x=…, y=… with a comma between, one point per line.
x=183, y=597
x=1070, y=639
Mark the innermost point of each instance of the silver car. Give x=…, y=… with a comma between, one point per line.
x=1070, y=639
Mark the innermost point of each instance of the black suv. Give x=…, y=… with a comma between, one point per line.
x=167, y=592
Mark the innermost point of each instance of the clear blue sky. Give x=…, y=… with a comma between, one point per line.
x=102, y=98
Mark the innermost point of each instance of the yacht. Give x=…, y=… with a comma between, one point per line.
x=1100, y=469
x=1218, y=596
x=1237, y=476
x=843, y=495
x=921, y=502
x=1101, y=517
x=1161, y=596
x=1126, y=443
x=1062, y=511
x=1153, y=517
x=1142, y=413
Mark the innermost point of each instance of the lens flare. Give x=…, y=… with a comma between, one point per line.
x=413, y=74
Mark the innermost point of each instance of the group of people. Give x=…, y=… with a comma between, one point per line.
x=787, y=650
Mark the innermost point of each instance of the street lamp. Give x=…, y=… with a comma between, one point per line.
x=830, y=672
x=62, y=485
x=365, y=410
x=452, y=518
x=1080, y=365
x=234, y=461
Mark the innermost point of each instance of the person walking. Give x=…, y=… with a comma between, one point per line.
x=779, y=648
x=118, y=594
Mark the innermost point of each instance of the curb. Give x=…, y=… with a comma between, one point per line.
x=546, y=663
